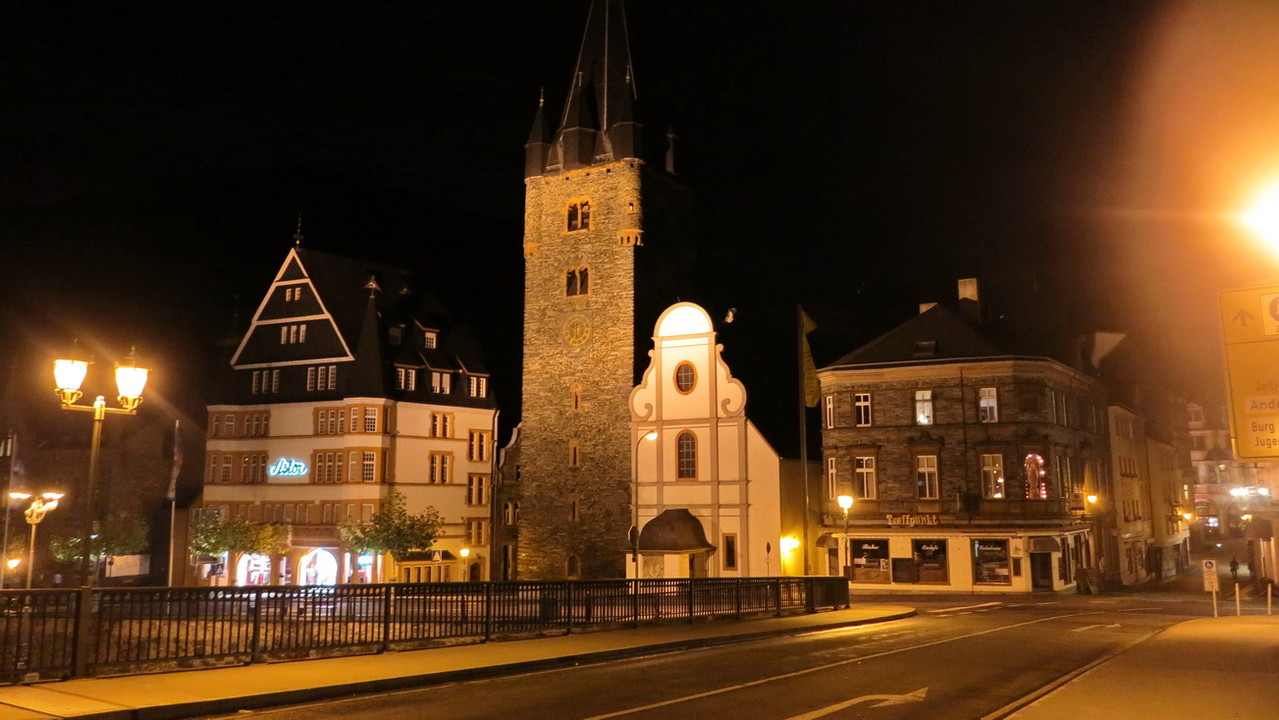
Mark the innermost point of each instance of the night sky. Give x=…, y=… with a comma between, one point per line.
x=857, y=157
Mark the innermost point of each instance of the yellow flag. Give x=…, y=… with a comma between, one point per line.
x=812, y=391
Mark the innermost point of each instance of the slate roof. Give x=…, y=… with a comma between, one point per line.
x=940, y=334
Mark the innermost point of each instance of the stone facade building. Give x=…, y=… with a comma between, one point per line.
x=601, y=228
x=969, y=464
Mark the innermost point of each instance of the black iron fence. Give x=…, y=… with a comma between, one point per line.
x=50, y=634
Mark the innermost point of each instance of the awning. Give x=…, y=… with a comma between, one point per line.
x=1043, y=544
x=827, y=540
x=674, y=531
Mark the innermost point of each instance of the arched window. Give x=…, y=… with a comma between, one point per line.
x=686, y=447
x=1036, y=478
x=574, y=567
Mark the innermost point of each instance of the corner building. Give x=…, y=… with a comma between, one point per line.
x=601, y=234
x=350, y=382
x=969, y=465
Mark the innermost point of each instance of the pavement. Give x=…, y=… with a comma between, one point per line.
x=227, y=690
x=1222, y=667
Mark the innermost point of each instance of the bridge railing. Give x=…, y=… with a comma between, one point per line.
x=49, y=634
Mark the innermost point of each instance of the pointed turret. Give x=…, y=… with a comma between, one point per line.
x=539, y=142
x=598, y=124
x=367, y=376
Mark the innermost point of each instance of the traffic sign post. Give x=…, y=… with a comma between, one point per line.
x=1211, y=582
x=1250, y=326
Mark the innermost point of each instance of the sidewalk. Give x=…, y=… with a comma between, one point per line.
x=1205, y=668
x=226, y=690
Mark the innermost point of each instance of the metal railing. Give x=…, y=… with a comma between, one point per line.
x=50, y=634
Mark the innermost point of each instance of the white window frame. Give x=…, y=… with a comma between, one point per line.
x=988, y=404
x=832, y=478
x=994, y=485
x=924, y=407
x=927, y=479
x=865, y=478
x=863, y=411
x=828, y=412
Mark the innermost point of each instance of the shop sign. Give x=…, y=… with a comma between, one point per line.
x=287, y=467
x=913, y=520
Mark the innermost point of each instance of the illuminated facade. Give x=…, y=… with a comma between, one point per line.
x=350, y=382
x=708, y=482
x=600, y=228
x=969, y=465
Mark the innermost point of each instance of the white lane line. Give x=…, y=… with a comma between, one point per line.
x=966, y=607
x=819, y=668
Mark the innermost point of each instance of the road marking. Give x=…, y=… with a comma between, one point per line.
x=1064, y=680
x=819, y=668
x=1138, y=609
x=1049, y=602
x=966, y=607
x=1090, y=627
x=884, y=700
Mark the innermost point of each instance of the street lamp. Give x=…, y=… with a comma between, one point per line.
x=634, y=533
x=846, y=502
x=40, y=506
x=130, y=379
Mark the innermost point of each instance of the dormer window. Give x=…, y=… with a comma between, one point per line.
x=429, y=339
x=577, y=281
x=925, y=348
x=579, y=215
x=479, y=386
x=405, y=378
x=395, y=335
x=292, y=293
x=441, y=382
x=292, y=334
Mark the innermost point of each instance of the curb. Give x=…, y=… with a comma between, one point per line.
x=328, y=692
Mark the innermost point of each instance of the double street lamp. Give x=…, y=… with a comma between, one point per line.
x=130, y=379
x=40, y=506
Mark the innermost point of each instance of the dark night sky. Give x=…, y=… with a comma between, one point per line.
x=857, y=157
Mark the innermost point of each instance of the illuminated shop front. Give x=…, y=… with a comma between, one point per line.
x=318, y=567
x=253, y=570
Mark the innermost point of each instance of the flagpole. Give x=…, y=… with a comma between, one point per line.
x=8, y=485
x=173, y=495
x=803, y=428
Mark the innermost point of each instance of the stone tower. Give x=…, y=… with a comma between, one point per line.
x=594, y=211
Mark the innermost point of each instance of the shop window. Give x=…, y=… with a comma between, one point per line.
x=991, y=564
x=870, y=559
x=931, y=561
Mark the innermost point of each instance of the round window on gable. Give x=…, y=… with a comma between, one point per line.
x=685, y=377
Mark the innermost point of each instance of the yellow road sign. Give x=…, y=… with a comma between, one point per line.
x=1250, y=325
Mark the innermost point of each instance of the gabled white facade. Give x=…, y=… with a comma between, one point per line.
x=707, y=459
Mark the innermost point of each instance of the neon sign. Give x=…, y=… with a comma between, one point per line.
x=287, y=467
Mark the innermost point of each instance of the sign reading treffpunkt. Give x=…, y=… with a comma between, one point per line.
x=1250, y=326
x=912, y=520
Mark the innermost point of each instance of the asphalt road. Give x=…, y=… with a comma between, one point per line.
x=962, y=658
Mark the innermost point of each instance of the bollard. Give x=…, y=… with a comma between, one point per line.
x=1238, y=608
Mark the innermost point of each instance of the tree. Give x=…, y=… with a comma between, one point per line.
x=214, y=536
x=119, y=535
x=393, y=530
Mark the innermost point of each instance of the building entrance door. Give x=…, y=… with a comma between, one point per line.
x=1041, y=571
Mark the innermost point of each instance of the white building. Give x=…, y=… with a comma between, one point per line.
x=350, y=383
x=708, y=484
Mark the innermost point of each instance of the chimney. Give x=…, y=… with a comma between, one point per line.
x=969, y=302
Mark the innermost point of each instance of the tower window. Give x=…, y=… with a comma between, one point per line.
x=577, y=281
x=574, y=454
x=579, y=215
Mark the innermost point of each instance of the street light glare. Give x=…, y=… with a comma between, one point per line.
x=1263, y=217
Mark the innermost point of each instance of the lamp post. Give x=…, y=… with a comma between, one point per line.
x=634, y=533
x=846, y=502
x=130, y=379
x=40, y=506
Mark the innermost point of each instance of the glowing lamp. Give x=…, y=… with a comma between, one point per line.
x=1188, y=516
x=1092, y=499
x=788, y=544
x=1263, y=217
x=845, y=502
x=130, y=379
x=465, y=553
x=68, y=375
x=12, y=563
